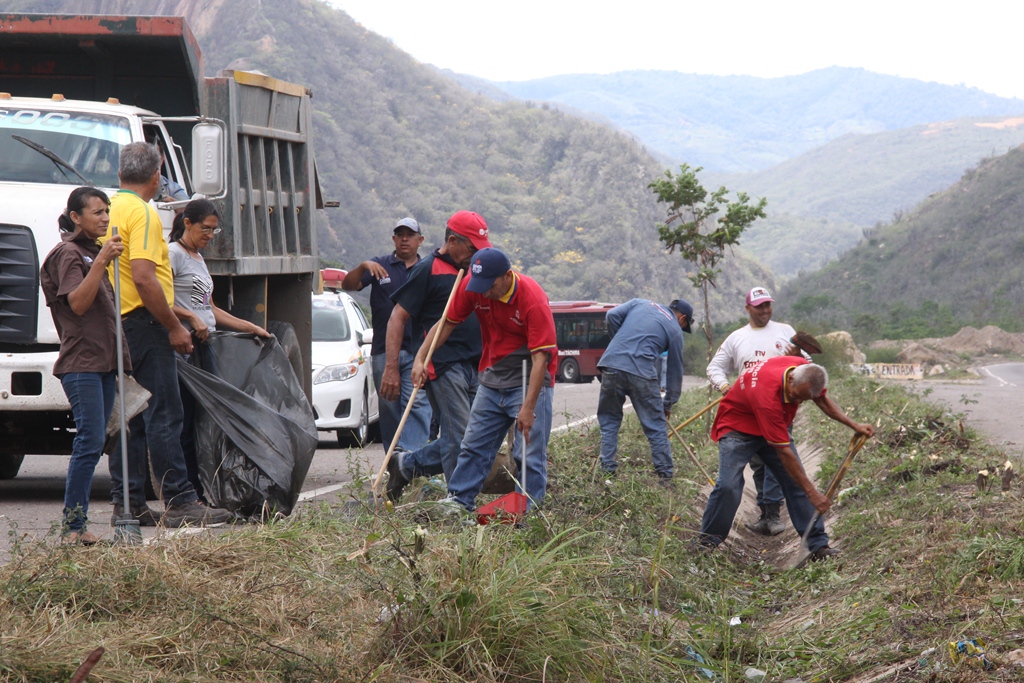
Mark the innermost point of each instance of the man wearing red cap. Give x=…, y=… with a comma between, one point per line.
x=452, y=377
x=755, y=343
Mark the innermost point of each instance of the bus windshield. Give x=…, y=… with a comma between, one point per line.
x=33, y=144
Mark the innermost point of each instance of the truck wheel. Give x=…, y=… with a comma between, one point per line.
x=289, y=342
x=10, y=464
x=570, y=371
x=360, y=435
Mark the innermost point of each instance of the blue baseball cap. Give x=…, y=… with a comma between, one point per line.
x=486, y=266
x=684, y=307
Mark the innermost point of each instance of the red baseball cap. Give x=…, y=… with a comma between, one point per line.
x=472, y=226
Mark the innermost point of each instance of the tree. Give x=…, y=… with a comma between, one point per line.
x=701, y=225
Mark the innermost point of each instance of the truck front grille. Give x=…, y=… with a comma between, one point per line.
x=19, y=285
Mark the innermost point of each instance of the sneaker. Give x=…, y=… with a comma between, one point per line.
x=822, y=553
x=445, y=509
x=144, y=515
x=396, y=480
x=194, y=513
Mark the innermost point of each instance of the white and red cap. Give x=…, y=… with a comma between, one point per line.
x=757, y=296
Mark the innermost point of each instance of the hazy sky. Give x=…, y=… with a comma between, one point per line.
x=975, y=43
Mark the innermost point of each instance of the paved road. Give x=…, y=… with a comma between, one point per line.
x=31, y=503
x=991, y=403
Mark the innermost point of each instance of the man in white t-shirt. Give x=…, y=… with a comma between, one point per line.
x=750, y=345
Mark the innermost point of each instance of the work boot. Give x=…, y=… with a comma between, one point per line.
x=761, y=525
x=773, y=523
x=396, y=480
x=194, y=513
x=144, y=515
x=822, y=553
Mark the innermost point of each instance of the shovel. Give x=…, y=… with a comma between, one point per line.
x=510, y=508
x=856, y=443
x=126, y=529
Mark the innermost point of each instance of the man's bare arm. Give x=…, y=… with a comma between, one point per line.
x=796, y=471
x=525, y=419
x=152, y=295
x=353, y=281
x=829, y=407
x=391, y=381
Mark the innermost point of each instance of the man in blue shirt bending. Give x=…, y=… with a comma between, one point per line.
x=641, y=330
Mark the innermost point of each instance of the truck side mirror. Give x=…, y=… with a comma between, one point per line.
x=208, y=172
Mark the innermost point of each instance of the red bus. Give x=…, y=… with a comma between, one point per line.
x=582, y=338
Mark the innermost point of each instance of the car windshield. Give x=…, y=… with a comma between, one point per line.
x=330, y=324
x=91, y=143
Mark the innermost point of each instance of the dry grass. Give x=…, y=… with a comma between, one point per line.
x=603, y=586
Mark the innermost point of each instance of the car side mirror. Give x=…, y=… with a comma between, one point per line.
x=364, y=336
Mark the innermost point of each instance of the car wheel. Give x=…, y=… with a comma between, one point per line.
x=360, y=435
x=10, y=464
x=570, y=371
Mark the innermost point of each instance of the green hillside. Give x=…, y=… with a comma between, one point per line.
x=565, y=196
x=864, y=179
x=742, y=123
x=957, y=260
x=822, y=200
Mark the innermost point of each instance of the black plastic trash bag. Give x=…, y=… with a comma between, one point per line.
x=254, y=431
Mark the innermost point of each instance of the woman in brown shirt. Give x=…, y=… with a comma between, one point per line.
x=81, y=300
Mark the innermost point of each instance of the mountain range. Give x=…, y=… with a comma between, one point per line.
x=821, y=202
x=957, y=260
x=736, y=124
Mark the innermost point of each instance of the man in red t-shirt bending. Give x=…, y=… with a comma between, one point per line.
x=515, y=325
x=754, y=418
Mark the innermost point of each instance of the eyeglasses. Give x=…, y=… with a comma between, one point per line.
x=210, y=231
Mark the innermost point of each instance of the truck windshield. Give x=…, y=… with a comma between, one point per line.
x=90, y=143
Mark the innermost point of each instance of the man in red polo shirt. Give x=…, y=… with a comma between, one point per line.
x=754, y=419
x=515, y=325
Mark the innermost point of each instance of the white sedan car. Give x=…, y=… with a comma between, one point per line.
x=344, y=397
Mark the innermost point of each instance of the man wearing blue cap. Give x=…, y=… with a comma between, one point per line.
x=641, y=330
x=386, y=274
x=516, y=325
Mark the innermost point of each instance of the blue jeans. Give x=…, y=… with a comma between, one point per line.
x=91, y=395
x=734, y=452
x=494, y=411
x=451, y=395
x=414, y=434
x=645, y=395
x=158, y=427
x=768, y=490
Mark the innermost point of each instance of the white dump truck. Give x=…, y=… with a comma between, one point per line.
x=78, y=88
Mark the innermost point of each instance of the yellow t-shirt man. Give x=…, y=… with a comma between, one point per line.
x=138, y=224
